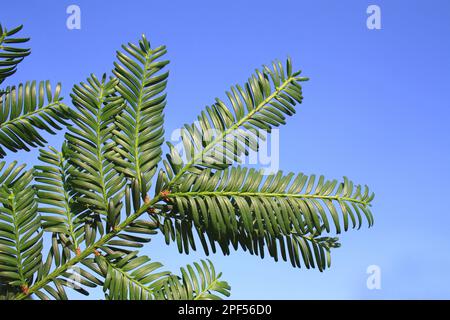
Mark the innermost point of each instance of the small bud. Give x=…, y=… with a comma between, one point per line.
x=147, y=199
x=97, y=253
x=164, y=194
x=25, y=289
x=78, y=251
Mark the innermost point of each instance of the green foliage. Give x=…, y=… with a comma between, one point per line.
x=60, y=213
x=139, y=128
x=25, y=109
x=222, y=134
x=129, y=276
x=196, y=283
x=93, y=176
x=20, y=229
x=91, y=199
x=10, y=53
x=243, y=207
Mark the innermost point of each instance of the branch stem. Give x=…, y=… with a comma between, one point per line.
x=265, y=194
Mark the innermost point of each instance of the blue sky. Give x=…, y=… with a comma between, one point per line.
x=376, y=110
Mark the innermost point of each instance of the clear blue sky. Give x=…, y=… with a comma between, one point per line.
x=376, y=109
